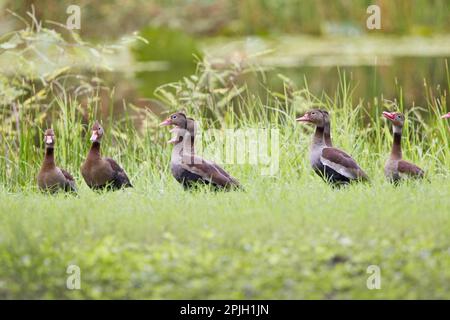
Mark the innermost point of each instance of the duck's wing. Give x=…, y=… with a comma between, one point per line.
x=226, y=174
x=410, y=169
x=120, y=178
x=70, y=181
x=209, y=171
x=342, y=163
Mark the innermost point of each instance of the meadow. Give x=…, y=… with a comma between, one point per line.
x=282, y=239
x=286, y=236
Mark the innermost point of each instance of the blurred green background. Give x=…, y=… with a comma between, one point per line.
x=299, y=38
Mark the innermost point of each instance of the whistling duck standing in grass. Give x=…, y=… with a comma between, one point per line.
x=51, y=178
x=102, y=173
x=333, y=165
x=188, y=168
x=396, y=168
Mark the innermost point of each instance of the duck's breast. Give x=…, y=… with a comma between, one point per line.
x=391, y=169
x=51, y=179
x=98, y=173
x=314, y=158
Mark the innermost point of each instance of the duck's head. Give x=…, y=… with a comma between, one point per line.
x=183, y=126
x=314, y=116
x=97, y=132
x=397, y=118
x=49, y=138
x=177, y=119
x=446, y=116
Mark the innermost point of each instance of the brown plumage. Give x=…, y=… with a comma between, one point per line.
x=99, y=172
x=396, y=168
x=333, y=165
x=50, y=177
x=188, y=168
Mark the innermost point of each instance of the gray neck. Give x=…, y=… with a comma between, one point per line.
x=177, y=152
x=396, y=152
x=318, y=137
x=397, y=129
x=317, y=146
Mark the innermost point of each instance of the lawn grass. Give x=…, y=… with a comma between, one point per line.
x=281, y=238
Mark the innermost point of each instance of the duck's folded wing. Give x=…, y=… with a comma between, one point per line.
x=342, y=163
x=119, y=173
x=209, y=171
x=226, y=174
x=405, y=167
x=69, y=179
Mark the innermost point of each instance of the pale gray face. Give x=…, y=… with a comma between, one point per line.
x=314, y=116
x=49, y=137
x=177, y=119
x=97, y=132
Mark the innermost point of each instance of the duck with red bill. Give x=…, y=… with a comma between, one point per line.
x=333, y=165
x=101, y=173
x=52, y=178
x=189, y=169
x=396, y=168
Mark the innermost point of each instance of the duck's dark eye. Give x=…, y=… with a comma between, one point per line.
x=174, y=117
x=313, y=113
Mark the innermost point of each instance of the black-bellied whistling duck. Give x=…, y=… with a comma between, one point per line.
x=99, y=172
x=50, y=177
x=188, y=168
x=333, y=165
x=396, y=168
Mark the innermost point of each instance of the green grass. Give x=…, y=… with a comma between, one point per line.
x=284, y=238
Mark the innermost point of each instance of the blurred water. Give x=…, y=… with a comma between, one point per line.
x=406, y=73
x=377, y=67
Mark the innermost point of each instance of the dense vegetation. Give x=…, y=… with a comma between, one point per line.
x=286, y=236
